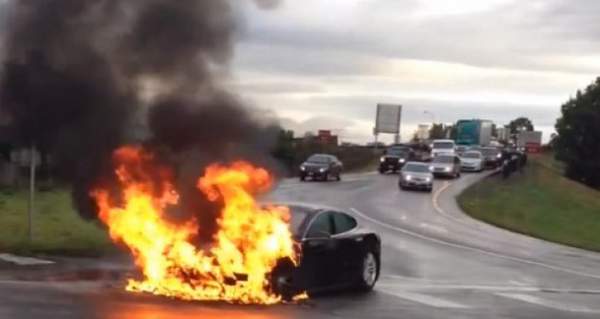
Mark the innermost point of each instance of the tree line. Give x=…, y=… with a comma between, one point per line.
x=577, y=143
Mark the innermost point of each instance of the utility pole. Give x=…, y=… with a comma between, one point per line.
x=30, y=207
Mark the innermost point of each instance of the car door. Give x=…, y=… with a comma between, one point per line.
x=318, y=252
x=348, y=248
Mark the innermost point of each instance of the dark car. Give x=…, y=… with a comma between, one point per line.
x=492, y=156
x=321, y=167
x=335, y=252
x=394, y=158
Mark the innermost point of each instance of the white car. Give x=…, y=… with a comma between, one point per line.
x=443, y=147
x=472, y=161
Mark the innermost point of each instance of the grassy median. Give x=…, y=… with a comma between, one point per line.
x=541, y=203
x=57, y=228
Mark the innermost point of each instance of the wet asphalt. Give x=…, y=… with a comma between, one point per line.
x=436, y=263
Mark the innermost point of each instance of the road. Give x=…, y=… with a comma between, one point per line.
x=437, y=263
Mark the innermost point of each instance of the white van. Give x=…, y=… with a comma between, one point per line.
x=439, y=147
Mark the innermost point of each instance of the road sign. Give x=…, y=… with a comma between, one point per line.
x=388, y=118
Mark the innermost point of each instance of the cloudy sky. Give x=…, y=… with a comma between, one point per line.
x=327, y=63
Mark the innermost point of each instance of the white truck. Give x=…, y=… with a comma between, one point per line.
x=439, y=147
x=530, y=141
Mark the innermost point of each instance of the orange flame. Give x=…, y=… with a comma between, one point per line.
x=249, y=241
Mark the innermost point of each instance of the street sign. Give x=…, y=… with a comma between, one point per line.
x=388, y=118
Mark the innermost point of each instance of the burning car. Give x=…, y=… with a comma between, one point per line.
x=335, y=252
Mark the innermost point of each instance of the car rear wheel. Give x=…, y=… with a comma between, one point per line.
x=369, y=271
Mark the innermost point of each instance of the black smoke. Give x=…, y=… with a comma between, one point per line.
x=79, y=78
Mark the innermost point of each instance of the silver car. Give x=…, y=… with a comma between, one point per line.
x=446, y=165
x=472, y=161
x=416, y=175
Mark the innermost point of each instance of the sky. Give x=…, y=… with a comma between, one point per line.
x=325, y=64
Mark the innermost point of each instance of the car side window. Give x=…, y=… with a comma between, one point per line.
x=343, y=223
x=322, y=225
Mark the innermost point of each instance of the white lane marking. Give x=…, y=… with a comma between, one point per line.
x=473, y=249
x=436, y=196
x=548, y=303
x=435, y=228
x=424, y=299
x=24, y=261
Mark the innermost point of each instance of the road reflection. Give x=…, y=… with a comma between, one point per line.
x=186, y=311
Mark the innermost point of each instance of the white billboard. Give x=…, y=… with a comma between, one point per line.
x=388, y=118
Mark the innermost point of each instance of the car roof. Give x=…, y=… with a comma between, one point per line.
x=446, y=155
x=472, y=151
x=439, y=141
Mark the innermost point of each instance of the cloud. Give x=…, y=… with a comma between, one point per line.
x=494, y=59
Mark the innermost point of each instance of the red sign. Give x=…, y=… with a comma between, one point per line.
x=533, y=147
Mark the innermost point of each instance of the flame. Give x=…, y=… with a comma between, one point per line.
x=247, y=245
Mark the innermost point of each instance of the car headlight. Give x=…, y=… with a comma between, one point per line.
x=382, y=159
x=448, y=169
x=322, y=170
x=401, y=160
x=431, y=168
x=302, y=168
x=499, y=156
x=407, y=177
x=428, y=179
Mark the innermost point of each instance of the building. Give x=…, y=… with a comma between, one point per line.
x=423, y=132
x=503, y=133
x=325, y=137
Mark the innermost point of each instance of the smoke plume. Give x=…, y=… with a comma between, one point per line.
x=79, y=78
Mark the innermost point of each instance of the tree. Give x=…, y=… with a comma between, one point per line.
x=437, y=131
x=284, y=148
x=520, y=123
x=578, y=140
x=451, y=132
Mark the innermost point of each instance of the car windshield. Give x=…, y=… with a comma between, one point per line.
x=397, y=151
x=472, y=155
x=443, y=145
x=319, y=159
x=415, y=168
x=489, y=151
x=444, y=159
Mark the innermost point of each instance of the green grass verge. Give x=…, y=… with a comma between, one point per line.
x=540, y=203
x=57, y=228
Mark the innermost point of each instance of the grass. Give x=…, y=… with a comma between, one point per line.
x=540, y=203
x=57, y=228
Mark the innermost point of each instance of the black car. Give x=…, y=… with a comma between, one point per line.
x=335, y=252
x=394, y=158
x=321, y=167
x=492, y=156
